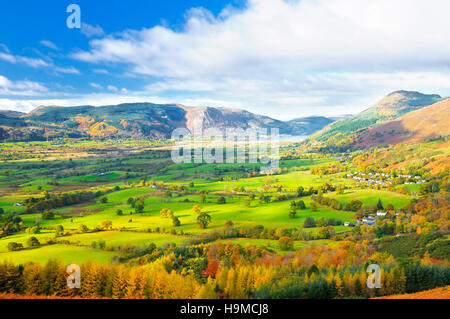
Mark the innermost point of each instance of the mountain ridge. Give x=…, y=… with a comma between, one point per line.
x=138, y=120
x=341, y=134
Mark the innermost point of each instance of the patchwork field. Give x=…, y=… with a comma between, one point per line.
x=225, y=192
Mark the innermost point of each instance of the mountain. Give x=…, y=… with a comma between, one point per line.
x=340, y=134
x=137, y=120
x=309, y=125
x=420, y=125
x=14, y=114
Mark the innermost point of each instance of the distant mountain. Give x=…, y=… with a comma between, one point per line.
x=420, y=125
x=340, y=134
x=309, y=125
x=138, y=120
x=14, y=114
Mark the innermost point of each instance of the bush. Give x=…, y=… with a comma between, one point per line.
x=286, y=243
x=83, y=228
x=176, y=221
x=309, y=222
x=13, y=246
x=33, y=242
x=47, y=215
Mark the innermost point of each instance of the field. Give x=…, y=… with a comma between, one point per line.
x=124, y=173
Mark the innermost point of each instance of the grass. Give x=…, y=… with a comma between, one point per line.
x=370, y=197
x=273, y=244
x=66, y=254
x=116, y=239
x=36, y=164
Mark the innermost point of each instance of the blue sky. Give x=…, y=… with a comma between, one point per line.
x=284, y=59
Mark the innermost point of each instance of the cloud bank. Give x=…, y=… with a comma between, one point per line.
x=305, y=54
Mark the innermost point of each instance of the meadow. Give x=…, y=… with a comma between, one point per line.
x=176, y=187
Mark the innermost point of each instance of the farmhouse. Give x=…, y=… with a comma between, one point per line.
x=381, y=213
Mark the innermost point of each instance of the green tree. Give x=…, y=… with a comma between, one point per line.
x=203, y=220
x=286, y=243
x=33, y=242
x=293, y=209
x=309, y=222
x=83, y=228
x=380, y=205
x=301, y=205
x=46, y=215
x=13, y=246
x=176, y=221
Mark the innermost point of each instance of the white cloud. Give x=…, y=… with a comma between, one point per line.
x=22, y=88
x=49, y=44
x=96, y=86
x=34, y=63
x=91, y=31
x=69, y=70
x=299, y=55
x=101, y=71
x=112, y=88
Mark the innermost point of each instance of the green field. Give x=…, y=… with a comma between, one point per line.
x=66, y=254
x=184, y=186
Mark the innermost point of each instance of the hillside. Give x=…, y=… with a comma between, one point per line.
x=436, y=293
x=138, y=120
x=417, y=126
x=340, y=134
x=311, y=124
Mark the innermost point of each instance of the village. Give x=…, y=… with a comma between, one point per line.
x=383, y=179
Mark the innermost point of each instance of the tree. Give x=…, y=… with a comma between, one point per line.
x=380, y=205
x=139, y=208
x=354, y=205
x=300, y=191
x=197, y=209
x=293, y=209
x=221, y=200
x=301, y=205
x=46, y=215
x=314, y=206
x=103, y=200
x=203, y=220
x=119, y=212
x=309, y=222
x=176, y=221
x=286, y=243
x=59, y=230
x=13, y=246
x=33, y=242
x=83, y=228
x=106, y=225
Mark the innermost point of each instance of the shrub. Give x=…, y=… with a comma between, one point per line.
x=286, y=243
x=13, y=246
x=33, y=242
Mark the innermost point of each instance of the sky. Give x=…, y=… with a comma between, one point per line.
x=285, y=59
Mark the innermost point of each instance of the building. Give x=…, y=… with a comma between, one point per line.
x=381, y=213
